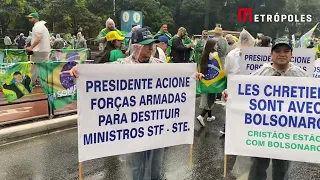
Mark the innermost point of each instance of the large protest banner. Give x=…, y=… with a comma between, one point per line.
x=129, y=112
x=60, y=87
x=69, y=54
x=273, y=117
x=15, y=80
x=316, y=73
x=253, y=58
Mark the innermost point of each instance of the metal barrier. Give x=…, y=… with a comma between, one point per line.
x=33, y=106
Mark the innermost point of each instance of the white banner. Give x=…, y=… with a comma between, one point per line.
x=253, y=58
x=273, y=117
x=316, y=72
x=125, y=108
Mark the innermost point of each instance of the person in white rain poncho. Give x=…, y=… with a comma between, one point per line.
x=255, y=168
x=29, y=40
x=58, y=43
x=82, y=42
x=232, y=60
x=146, y=165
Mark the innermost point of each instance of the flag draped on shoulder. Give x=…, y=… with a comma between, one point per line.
x=214, y=81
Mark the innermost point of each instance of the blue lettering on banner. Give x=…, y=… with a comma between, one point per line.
x=110, y=103
x=112, y=135
x=258, y=58
x=159, y=114
x=316, y=72
x=156, y=99
x=302, y=60
x=136, y=84
x=282, y=121
x=310, y=92
x=174, y=82
x=309, y=110
x=248, y=89
x=113, y=118
x=180, y=127
x=253, y=67
x=155, y=130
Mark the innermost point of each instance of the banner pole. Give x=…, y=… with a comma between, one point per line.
x=191, y=157
x=225, y=166
x=80, y=171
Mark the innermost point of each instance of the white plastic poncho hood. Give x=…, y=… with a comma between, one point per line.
x=135, y=52
x=245, y=39
x=109, y=21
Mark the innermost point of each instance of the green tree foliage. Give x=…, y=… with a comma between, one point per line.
x=90, y=15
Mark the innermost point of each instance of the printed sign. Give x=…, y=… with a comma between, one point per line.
x=253, y=58
x=130, y=112
x=316, y=72
x=273, y=117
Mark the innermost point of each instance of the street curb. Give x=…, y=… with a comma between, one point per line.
x=27, y=130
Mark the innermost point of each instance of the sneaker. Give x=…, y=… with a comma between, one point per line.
x=222, y=132
x=201, y=120
x=212, y=118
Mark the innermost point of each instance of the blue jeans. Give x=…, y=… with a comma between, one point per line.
x=146, y=165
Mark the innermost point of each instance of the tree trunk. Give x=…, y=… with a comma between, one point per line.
x=207, y=13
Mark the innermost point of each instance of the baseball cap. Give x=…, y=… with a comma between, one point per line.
x=143, y=36
x=114, y=35
x=33, y=15
x=164, y=39
x=281, y=41
x=183, y=30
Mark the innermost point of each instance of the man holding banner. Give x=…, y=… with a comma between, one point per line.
x=281, y=54
x=145, y=165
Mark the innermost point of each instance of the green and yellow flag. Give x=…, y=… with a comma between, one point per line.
x=215, y=80
x=15, y=79
x=2, y=55
x=16, y=55
x=60, y=87
x=69, y=55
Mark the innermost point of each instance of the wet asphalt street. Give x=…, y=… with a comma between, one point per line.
x=54, y=157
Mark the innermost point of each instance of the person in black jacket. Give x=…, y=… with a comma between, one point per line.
x=180, y=53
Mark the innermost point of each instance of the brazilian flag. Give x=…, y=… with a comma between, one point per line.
x=215, y=80
x=69, y=54
x=60, y=87
x=15, y=80
x=16, y=55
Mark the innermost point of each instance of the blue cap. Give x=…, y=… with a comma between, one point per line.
x=143, y=36
x=164, y=39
